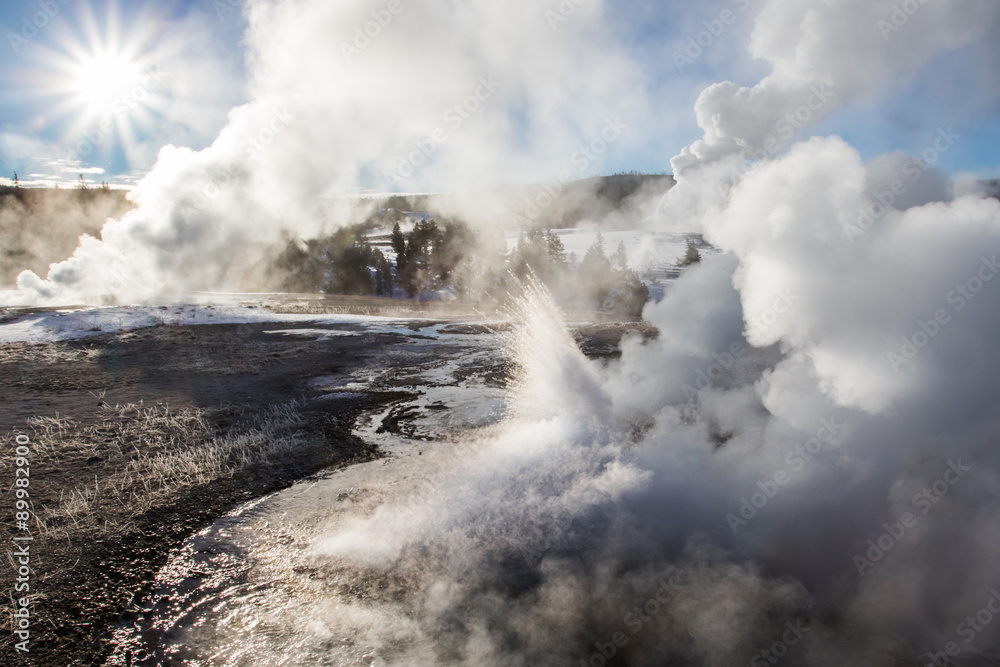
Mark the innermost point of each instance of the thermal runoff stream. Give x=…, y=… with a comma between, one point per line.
x=551, y=523
x=790, y=458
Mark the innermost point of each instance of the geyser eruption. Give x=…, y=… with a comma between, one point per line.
x=803, y=467
x=825, y=55
x=442, y=98
x=599, y=530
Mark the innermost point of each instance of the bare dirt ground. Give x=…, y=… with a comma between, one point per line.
x=140, y=439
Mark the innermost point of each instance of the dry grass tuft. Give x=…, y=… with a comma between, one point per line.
x=145, y=455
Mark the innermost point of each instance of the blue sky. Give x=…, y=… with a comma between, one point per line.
x=78, y=95
x=98, y=87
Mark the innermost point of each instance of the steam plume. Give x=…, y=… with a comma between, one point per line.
x=804, y=462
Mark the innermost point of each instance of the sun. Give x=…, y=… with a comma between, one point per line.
x=101, y=80
x=102, y=83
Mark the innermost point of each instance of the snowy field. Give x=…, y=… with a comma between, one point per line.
x=55, y=325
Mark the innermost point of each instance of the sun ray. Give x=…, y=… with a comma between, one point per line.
x=96, y=85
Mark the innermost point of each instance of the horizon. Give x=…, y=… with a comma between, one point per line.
x=100, y=87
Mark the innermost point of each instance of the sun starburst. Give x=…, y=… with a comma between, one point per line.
x=103, y=84
x=103, y=79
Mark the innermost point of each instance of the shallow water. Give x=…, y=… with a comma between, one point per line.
x=249, y=589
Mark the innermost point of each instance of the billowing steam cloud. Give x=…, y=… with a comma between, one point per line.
x=825, y=56
x=347, y=94
x=802, y=469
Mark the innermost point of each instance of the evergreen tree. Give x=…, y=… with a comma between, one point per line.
x=556, y=251
x=620, y=260
x=595, y=277
x=399, y=247
x=691, y=256
x=599, y=244
x=417, y=274
x=383, y=273
x=595, y=262
x=449, y=248
x=531, y=255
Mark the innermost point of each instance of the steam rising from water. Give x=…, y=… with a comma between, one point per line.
x=572, y=535
x=322, y=123
x=804, y=462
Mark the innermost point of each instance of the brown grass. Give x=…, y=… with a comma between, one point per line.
x=145, y=455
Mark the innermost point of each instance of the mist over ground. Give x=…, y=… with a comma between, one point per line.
x=802, y=468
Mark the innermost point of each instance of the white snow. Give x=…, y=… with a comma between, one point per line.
x=49, y=326
x=317, y=334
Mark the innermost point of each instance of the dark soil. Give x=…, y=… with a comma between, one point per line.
x=90, y=585
x=88, y=580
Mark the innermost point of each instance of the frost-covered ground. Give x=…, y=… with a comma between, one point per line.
x=54, y=325
x=214, y=596
x=651, y=254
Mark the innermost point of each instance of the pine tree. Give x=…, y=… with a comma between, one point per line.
x=399, y=246
x=594, y=276
x=595, y=261
x=692, y=256
x=620, y=260
x=556, y=250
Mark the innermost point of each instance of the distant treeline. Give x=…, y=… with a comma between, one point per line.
x=451, y=257
x=431, y=257
x=622, y=197
x=600, y=281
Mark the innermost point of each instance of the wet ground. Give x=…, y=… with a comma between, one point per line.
x=361, y=391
